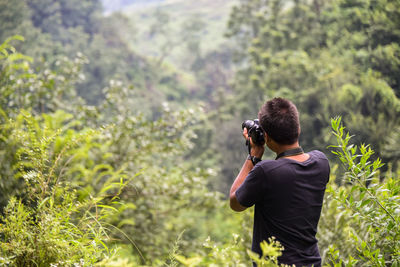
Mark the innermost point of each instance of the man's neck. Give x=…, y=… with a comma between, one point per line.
x=281, y=148
x=298, y=157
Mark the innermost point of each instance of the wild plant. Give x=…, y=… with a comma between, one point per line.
x=370, y=202
x=56, y=221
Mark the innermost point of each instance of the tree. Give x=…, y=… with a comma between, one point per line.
x=324, y=56
x=12, y=14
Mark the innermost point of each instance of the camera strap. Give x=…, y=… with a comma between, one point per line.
x=248, y=144
x=253, y=159
x=290, y=152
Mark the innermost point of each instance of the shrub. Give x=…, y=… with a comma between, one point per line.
x=369, y=205
x=51, y=224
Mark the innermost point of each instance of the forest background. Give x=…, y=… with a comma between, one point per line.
x=121, y=126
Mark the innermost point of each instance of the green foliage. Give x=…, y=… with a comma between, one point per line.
x=54, y=30
x=324, y=56
x=233, y=254
x=51, y=223
x=368, y=207
x=58, y=18
x=270, y=252
x=135, y=171
x=12, y=15
x=50, y=216
x=166, y=29
x=46, y=90
x=171, y=193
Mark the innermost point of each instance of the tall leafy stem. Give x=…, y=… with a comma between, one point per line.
x=361, y=172
x=370, y=202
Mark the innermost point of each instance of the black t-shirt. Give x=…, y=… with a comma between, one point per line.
x=288, y=197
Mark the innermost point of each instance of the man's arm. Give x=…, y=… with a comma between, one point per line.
x=257, y=151
x=234, y=203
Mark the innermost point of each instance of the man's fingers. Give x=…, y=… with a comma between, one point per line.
x=247, y=137
x=245, y=134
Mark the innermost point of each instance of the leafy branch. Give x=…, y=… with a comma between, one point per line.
x=361, y=172
x=371, y=203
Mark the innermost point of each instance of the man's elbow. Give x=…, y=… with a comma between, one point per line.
x=234, y=203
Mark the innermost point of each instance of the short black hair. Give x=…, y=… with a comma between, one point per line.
x=279, y=118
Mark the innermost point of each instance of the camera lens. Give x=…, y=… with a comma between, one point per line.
x=248, y=124
x=254, y=130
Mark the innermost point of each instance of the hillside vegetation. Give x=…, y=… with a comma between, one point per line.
x=114, y=155
x=173, y=28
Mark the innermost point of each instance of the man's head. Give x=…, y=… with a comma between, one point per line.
x=279, y=119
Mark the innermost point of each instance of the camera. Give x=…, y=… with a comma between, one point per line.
x=254, y=131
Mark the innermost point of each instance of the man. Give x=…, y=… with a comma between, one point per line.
x=287, y=192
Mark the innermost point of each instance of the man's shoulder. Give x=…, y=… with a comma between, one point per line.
x=318, y=154
x=269, y=165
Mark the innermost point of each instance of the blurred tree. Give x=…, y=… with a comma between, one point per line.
x=55, y=29
x=46, y=15
x=369, y=32
x=170, y=193
x=191, y=34
x=12, y=14
x=161, y=30
x=324, y=56
x=56, y=17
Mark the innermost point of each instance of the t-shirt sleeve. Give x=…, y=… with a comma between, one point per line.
x=252, y=189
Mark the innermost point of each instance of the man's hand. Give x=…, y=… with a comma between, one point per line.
x=255, y=150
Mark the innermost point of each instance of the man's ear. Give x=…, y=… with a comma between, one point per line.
x=266, y=137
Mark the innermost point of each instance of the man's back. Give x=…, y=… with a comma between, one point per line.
x=288, y=197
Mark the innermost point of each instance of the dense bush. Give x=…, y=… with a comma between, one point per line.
x=50, y=223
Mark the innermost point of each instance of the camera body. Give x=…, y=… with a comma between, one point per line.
x=254, y=131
